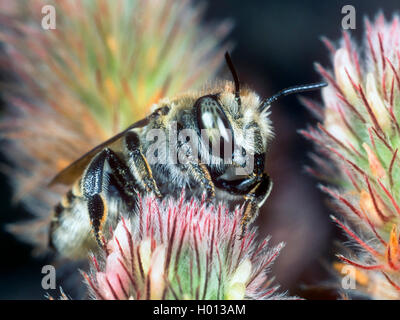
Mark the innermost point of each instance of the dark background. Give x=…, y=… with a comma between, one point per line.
x=276, y=44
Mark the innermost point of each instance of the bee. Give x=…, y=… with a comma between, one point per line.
x=108, y=179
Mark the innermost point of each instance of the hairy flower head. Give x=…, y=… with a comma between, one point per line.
x=358, y=140
x=180, y=249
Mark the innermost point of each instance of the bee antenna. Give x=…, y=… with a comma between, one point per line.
x=291, y=90
x=235, y=77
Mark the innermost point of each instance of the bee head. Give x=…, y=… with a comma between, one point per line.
x=238, y=116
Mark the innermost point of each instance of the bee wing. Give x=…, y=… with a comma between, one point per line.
x=71, y=173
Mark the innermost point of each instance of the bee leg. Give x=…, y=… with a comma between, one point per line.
x=139, y=164
x=254, y=200
x=201, y=174
x=95, y=183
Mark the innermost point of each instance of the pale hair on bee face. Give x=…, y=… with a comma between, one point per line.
x=246, y=118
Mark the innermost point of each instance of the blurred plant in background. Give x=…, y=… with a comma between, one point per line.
x=99, y=71
x=179, y=249
x=358, y=141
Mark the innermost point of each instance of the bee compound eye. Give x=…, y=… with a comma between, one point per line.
x=214, y=124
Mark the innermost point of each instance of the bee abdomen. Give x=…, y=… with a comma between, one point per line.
x=68, y=199
x=68, y=225
x=61, y=210
x=66, y=202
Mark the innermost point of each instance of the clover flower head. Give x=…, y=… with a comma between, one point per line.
x=358, y=139
x=183, y=249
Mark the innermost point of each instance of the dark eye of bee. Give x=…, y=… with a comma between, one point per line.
x=214, y=124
